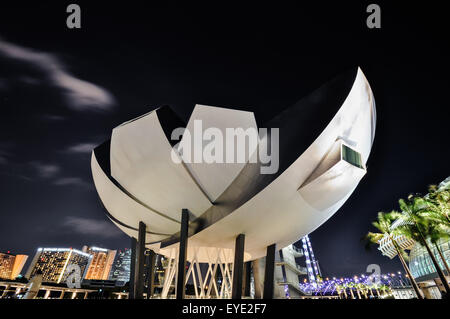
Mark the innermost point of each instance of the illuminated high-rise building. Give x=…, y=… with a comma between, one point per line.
x=122, y=265
x=101, y=263
x=52, y=263
x=11, y=265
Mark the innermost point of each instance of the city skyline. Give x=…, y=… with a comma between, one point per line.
x=102, y=258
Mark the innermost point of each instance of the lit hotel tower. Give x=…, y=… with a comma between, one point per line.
x=101, y=263
x=11, y=265
x=52, y=263
x=121, y=269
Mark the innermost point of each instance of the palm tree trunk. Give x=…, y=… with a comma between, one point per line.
x=411, y=278
x=443, y=259
x=436, y=264
x=357, y=291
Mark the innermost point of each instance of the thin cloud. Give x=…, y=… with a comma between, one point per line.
x=71, y=181
x=80, y=95
x=52, y=173
x=53, y=117
x=29, y=80
x=9, y=166
x=45, y=170
x=5, y=154
x=81, y=148
x=3, y=84
x=23, y=177
x=3, y=157
x=90, y=226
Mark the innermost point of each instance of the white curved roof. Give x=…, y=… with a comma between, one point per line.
x=214, y=178
x=141, y=162
x=121, y=207
x=297, y=201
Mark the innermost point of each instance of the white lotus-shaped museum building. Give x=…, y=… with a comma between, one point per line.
x=324, y=143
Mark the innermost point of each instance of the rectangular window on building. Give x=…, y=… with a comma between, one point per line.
x=351, y=156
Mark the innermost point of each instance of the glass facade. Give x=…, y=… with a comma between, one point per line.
x=52, y=263
x=6, y=265
x=420, y=262
x=351, y=156
x=11, y=265
x=101, y=263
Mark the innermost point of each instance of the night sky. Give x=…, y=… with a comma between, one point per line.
x=62, y=91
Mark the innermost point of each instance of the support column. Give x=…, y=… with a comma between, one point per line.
x=132, y=291
x=182, y=252
x=238, y=268
x=269, y=272
x=140, y=258
x=47, y=294
x=61, y=296
x=150, y=272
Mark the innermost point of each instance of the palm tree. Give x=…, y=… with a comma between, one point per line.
x=371, y=291
x=437, y=232
x=344, y=289
x=338, y=290
x=377, y=290
x=383, y=224
x=441, y=198
x=363, y=289
x=351, y=285
x=439, y=227
x=384, y=290
x=416, y=216
x=357, y=287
